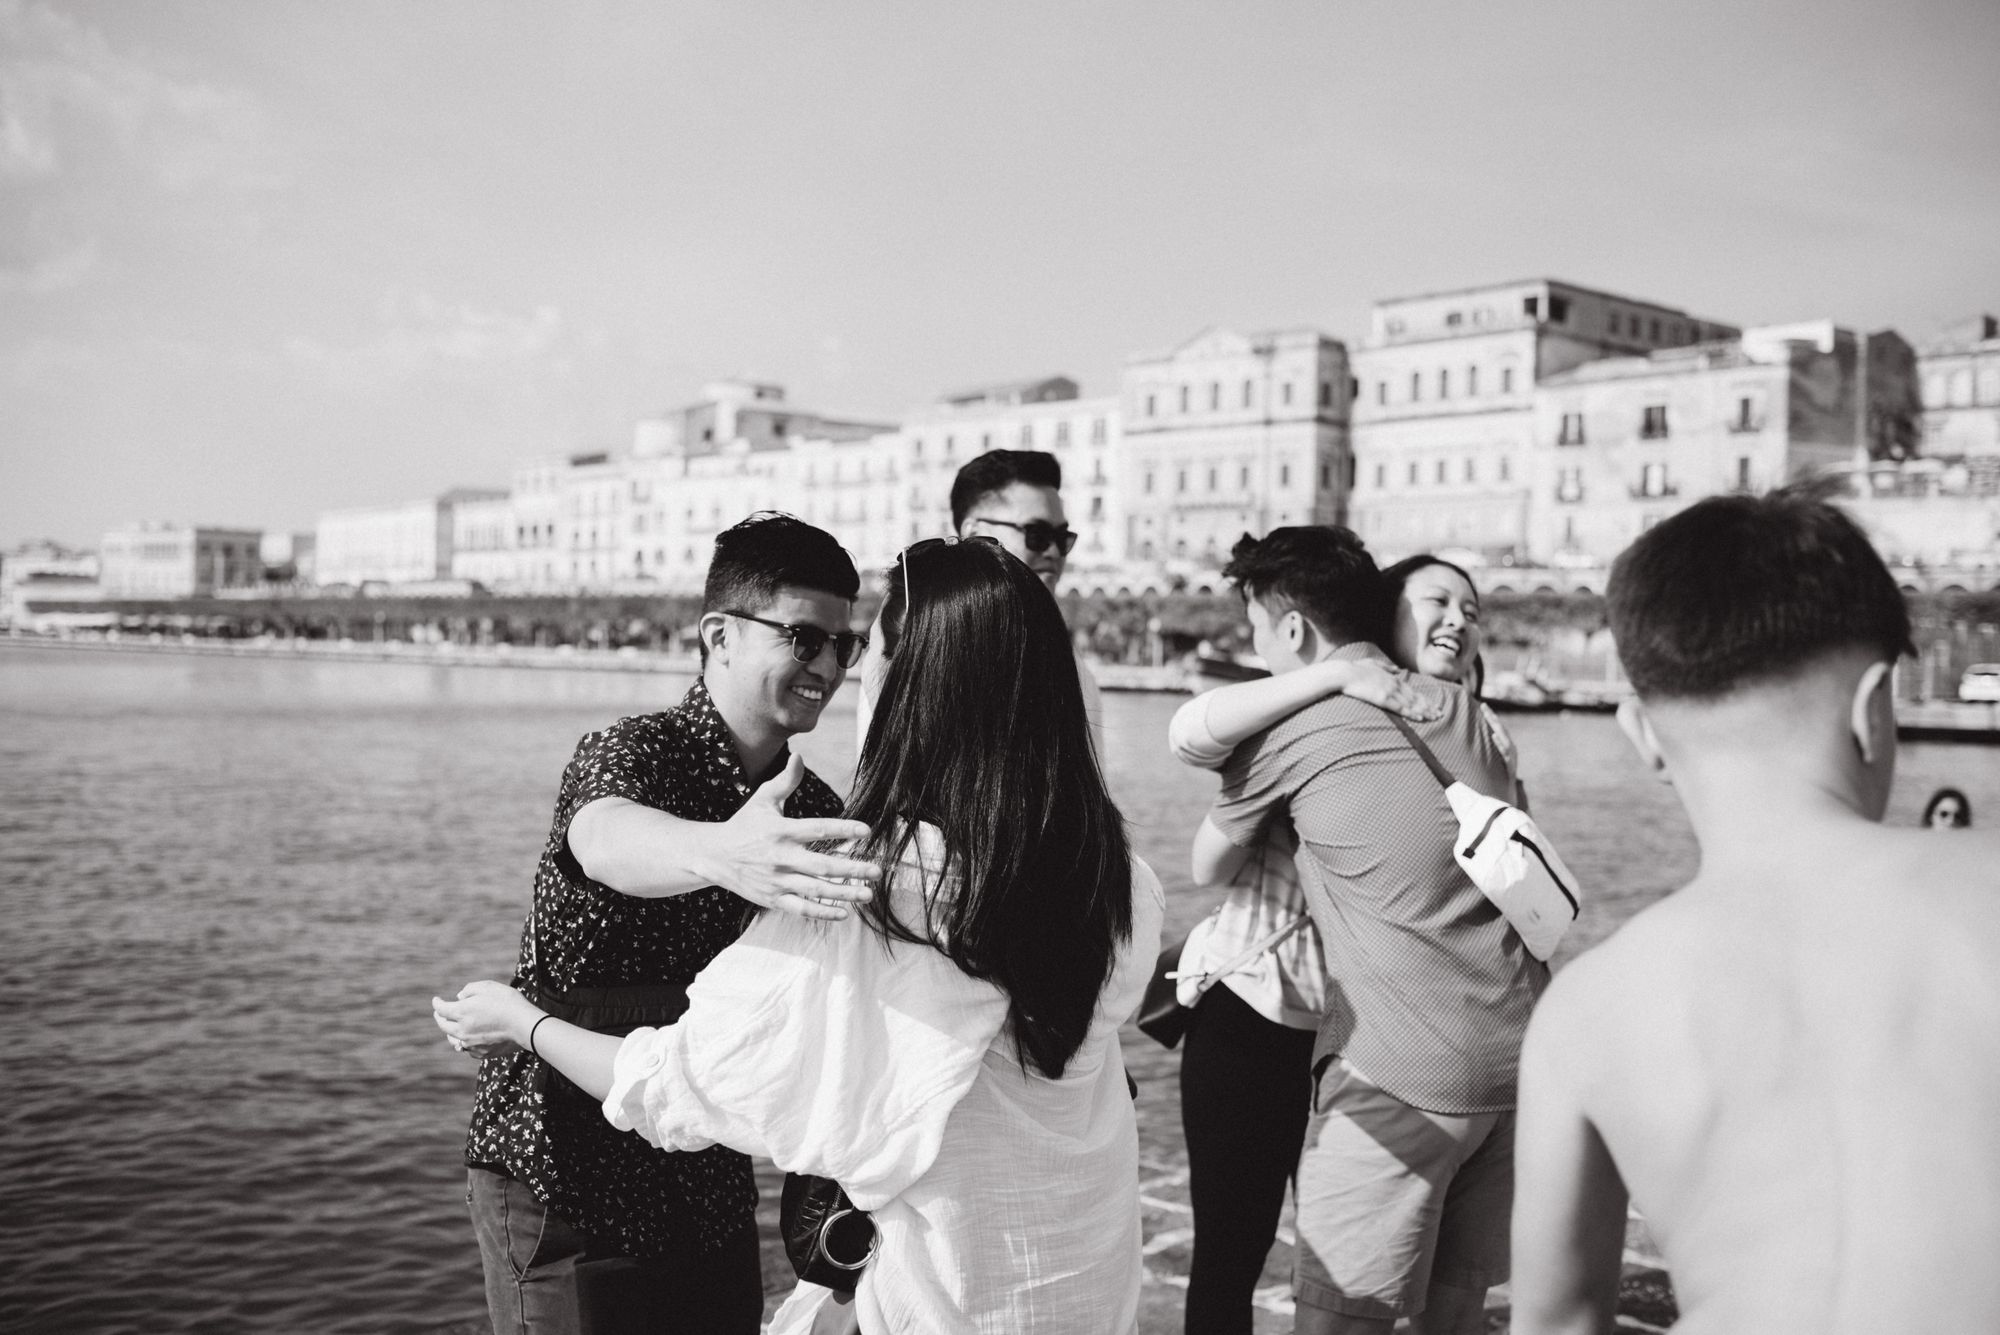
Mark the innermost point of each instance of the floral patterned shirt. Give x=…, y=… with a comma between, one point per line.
x=533, y=1125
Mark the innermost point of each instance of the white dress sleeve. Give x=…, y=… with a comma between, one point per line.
x=1189, y=738
x=819, y=1046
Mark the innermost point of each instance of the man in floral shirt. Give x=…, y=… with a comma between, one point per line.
x=665, y=825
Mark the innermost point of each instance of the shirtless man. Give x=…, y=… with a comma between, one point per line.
x=1793, y=1063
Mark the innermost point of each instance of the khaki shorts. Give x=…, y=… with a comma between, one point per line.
x=1392, y=1199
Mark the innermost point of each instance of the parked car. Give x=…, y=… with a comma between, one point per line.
x=1981, y=682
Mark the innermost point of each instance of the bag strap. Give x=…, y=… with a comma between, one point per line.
x=1268, y=941
x=1439, y=772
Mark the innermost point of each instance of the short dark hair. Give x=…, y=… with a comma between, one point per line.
x=1739, y=589
x=1322, y=570
x=997, y=470
x=763, y=554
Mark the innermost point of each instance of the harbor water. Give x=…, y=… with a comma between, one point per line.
x=230, y=887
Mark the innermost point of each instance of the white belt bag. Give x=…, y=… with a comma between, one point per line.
x=1508, y=858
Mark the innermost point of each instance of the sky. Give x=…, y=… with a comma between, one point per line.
x=262, y=260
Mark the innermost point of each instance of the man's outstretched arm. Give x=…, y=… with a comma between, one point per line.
x=1569, y=1200
x=759, y=853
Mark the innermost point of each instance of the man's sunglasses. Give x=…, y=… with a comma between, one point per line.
x=808, y=641
x=1038, y=535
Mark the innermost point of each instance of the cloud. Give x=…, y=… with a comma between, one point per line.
x=65, y=94
x=424, y=337
x=55, y=274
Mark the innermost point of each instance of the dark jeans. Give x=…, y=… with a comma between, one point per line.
x=1246, y=1093
x=544, y=1277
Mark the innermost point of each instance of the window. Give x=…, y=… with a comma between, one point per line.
x=1572, y=430
x=1471, y=471
x=1413, y=472
x=1453, y=319
x=1326, y=474
x=1444, y=384
x=1214, y=395
x=1442, y=466
x=1284, y=475
x=1181, y=482
x=1097, y=430
x=1531, y=307
x=1243, y=477
x=1097, y=507
x=1285, y=394
x=1506, y=468
x=1381, y=476
x=1416, y=386
x=947, y=446
x=1184, y=398
x=1027, y=434
x=1559, y=309
x=1247, y=391
x=1381, y=391
x=985, y=441
x=1152, y=405
x=1653, y=422
x=1062, y=434
x=1653, y=481
x=1569, y=484
x=1472, y=381
x=1614, y=322
x=1325, y=394
x=1743, y=473
x=1653, y=330
x=1506, y=380
x=1746, y=415
x=1149, y=484
x=1211, y=479
x=917, y=447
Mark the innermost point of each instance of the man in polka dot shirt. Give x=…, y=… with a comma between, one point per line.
x=669, y=828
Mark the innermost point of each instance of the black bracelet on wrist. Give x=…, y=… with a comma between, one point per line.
x=531, y=1032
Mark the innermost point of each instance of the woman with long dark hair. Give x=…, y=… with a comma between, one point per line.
x=949, y=1055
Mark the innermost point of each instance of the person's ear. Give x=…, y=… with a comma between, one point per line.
x=1637, y=726
x=714, y=629
x=1872, y=714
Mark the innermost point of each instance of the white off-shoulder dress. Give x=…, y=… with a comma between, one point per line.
x=1005, y=1202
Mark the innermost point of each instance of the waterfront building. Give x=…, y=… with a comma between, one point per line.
x=483, y=539
x=1226, y=434
x=1960, y=371
x=394, y=544
x=165, y=560
x=1619, y=443
x=43, y=570
x=1445, y=405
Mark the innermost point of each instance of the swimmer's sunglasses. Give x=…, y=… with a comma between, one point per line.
x=1038, y=535
x=807, y=641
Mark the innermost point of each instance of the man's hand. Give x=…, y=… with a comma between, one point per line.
x=769, y=858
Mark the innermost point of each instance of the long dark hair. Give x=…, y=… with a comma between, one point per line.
x=980, y=731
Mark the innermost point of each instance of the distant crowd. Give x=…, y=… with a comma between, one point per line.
x=910, y=999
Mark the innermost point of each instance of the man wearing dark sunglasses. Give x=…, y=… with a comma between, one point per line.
x=665, y=825
x=1015, y=496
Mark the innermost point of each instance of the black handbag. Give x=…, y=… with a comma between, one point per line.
x=1162, y=1018
x=827, y=1239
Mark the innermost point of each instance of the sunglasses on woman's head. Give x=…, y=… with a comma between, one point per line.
x=1037, y=535
x=917, y=548
x=808, y=641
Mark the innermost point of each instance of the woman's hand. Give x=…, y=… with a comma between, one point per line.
x=489, y=1019
x=1374, y=684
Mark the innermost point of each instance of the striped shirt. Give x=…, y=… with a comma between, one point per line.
x=1432, y=988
